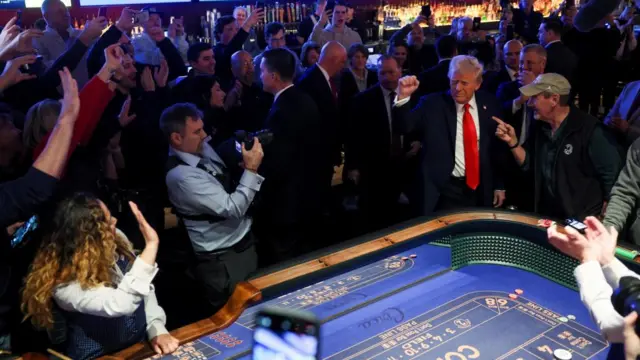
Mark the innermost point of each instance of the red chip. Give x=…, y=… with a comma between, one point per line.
x=519, y=291
x=513, y=296
x=545, y=223
x=404, y=258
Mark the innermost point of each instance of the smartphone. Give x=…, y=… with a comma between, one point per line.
x=29, y=226
x=510, y=32
x=578, y=225
x=19, y=18
x=286, y=334
x=330, y=5
x=426, y=11
x=259, y=4
x=476, y=23
x=102, y=12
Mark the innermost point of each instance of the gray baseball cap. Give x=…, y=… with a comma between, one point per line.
x=551, y=83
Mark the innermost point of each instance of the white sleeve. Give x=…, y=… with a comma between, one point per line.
x=616, y=270
x=156, y=317
x=515, y=107
x=106, y=301
x=595, y=294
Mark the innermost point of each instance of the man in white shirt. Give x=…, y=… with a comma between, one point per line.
x=337, y=31
x=59, y=37
x=598, y=275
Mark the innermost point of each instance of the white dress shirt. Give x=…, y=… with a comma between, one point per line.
x=459, y=167
x=388, y=103
x=280, y=92
x=512, y=73
x=134, y=287
x=596, y=287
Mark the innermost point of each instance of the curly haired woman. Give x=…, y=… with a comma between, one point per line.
x=86, y=286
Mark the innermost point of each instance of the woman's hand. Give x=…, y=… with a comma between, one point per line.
x=164, y=344
x=149, y=234
x=71, y=98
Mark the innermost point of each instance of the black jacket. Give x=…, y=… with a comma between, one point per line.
x=316, y=86
x=491, y=80
x=561, y=60
x=223, y=54
x=418, y=60
x=435, y=79
x=349, y=88
x=292, y=165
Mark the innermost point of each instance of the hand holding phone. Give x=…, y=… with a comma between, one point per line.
x=426, y=11
x=19, y=18
x=102, y=12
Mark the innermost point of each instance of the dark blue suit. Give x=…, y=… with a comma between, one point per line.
x=435, y=121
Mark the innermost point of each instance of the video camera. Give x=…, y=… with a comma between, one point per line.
x=626, y=298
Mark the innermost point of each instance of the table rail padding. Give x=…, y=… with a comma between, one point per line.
x=248, y=293
x=502, y=249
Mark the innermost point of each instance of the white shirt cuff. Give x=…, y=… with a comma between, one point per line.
x=251, y=180
x=401, y=102
x=156, y=328
x=141, y=275
x=615, y=270
x=515, y=107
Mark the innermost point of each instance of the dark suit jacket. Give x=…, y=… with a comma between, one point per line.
x=435, y=79
x=316, y=86
x=508, y=92
x=561, y=60
x=527, y=25
x=435, y=120
x=292, y=160
x=418, y=60
x=491, y=80
x=349, y=88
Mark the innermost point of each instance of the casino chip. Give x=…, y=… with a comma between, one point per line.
x=404, y=258
x=546, y=223
x=563, y=319
x=561, y=354
x=571, y=317
x=413, y=256
x=519, y=291
x=513, y=296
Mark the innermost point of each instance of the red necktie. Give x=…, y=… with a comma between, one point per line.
x=471, y=155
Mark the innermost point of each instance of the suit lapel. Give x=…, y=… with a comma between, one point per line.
x=452, y=118
x=382, y=109
x=482, y=121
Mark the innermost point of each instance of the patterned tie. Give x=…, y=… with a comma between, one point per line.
x=471, y=155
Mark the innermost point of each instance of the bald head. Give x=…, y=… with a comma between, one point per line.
x=333, y=57
x=511, y=53
x=56, y=15
x=242, y=66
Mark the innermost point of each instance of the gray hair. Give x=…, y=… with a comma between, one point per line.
x=40, y=119
x=462, y=21
x=465, y=64
x=536, y=48
x=238, y=8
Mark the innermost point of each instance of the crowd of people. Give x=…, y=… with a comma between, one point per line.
x=100, y=134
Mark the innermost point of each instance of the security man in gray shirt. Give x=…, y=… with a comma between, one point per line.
x=212, y=207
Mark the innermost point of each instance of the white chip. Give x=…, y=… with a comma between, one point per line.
x=561, y=354
x=563, y=319
x=571, y=317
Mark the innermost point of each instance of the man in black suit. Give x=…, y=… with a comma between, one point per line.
x=436, y=79
x=457, y=133
x=319, y=83
x=375, y=153
x=509, y=70
x=527, y=21
x=292, y=165
x=518, y=184
x=560, y=59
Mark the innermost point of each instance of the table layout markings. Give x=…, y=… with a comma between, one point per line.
x=532, y=354
x=572, y=350
x=376, y=277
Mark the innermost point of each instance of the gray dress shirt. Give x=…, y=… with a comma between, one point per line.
x=51, y=45
x=193, y=191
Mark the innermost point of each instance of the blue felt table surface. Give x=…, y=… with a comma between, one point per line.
x=458, y=312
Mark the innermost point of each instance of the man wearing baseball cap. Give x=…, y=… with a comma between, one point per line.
x=575, y=162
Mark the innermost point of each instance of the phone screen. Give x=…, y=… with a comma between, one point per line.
x=578, y=225
x=102, y=12
x=426, y=11
x=279, y=335
x=476, y=23
x=23, y=230
x=19, y=18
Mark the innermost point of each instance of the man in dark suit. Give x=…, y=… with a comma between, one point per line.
x=292, y=164
x=518, y=184
x=457, y=133
x=527, y=21
x=376, y=155
x=421, y=55
x=560, y=59
x=319, y=83
x=509, y=70
x=436, y=79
